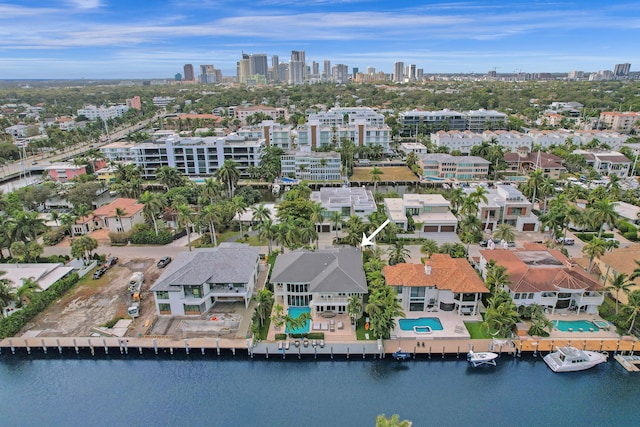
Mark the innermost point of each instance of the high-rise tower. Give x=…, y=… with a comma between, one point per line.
x=188, y=73
x=398, y=72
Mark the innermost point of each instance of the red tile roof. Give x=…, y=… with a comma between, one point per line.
x=454, y=274
x=130, y=206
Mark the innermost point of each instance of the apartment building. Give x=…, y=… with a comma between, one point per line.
x=92, y=112
x=461, y=168
x=547, y=138
x=481, y=120
x=506, y=205
x=621, y=122
x=614, y=140
x=196, y=156
x=241, y=113
x=338, y=116
x=607, y=162
x=453, y=140
x=473, y=120
x=312, y=166
x=510, y=140
x=274, y=134
x=315, y=134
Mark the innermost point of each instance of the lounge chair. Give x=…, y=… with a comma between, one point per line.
x=279, y=345
x=286, y=345
x=316, y=326
x=325, y=326
x=340, y=325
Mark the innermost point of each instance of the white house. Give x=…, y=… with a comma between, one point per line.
x=433, y=211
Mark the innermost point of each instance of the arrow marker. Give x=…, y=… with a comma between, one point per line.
x=366, y=241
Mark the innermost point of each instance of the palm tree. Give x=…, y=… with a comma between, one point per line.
x=239, y=207
x=185, y=219
x=296, y=323
x=619, y=283
x=261, y=213
x=26, y=291
x=354, y=308
x=268, y=231
x=120, y=212
x=497, y=278
x=316, y=215
x=7, y=295
x=535, y=179
x=211, y=190
x=230, y=175
x=594, y=249
x=505, y=232
x=383, y=307
x=398, y=253
x=169, y=177
x=429, y=247
x=456, y=198
x=605, y=214
x=394, y=421
x=154, y=204
x=376, y=176
x=308, y=233
x=335, y=217
x=210, y=215
x=632, y=308
x=264, y=298
x=501, y=315
x=27, y=226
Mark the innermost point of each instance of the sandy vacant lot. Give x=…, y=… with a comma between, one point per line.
x=92, y=303
x=389, y=173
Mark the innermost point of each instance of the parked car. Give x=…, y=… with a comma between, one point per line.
x=484, y=243
x=164, y=262
x=568, y=241
x=98, y=273
x=111, y=262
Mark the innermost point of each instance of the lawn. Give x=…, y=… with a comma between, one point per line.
x=221, y=237
x=389, y=173
x=477, y=331
x=254, y=241
x=360, y=330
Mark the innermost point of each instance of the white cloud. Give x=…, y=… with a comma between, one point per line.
x=85, y=4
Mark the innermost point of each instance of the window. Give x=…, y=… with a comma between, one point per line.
x=191, y=309
x=164, y=308
x=162, y=295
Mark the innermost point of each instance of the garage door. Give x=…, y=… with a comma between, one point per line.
x=430, y=228
x=325, y=228
x=448, y=228
x=528, y=227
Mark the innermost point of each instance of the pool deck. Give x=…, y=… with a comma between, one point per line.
x=347, y=333
x=600, y=334
x=452, y=326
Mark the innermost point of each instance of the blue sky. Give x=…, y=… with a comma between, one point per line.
x=150, y=39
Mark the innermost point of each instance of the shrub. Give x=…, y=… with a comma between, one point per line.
x=148, y=237
x=9, y=326
x=53, y=237
x=315, y=335
x=631, y=235
x=280, y=337
x=119, y=237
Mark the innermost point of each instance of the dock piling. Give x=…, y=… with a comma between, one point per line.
x=443, y=352
x=186, y=346
x=364, y=352
x=347, y=352
x=429, y=352
x=27, y=346
x=93, y=353
x=104, y=343
x=331, y=352
x=44, y=347
x=13, y=349
x=76, y=346
x=218, y=345
x=155, y=346
x=458, y=354
x=202, y=350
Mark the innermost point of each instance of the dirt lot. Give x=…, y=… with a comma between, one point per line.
x=92, y=302
x=389, y=173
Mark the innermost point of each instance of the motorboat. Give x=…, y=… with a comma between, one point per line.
x=401, y=355
x=482, y=358
x=570, y=359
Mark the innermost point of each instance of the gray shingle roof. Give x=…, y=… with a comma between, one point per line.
x=327, y=270
x=228, y=263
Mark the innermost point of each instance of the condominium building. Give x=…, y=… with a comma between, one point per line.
x=343, y=115
x=413, y=147
x=621, y=122
x=455, y=140
x=460, y=168
x=275, y=113
x=274, y=134
x=191, y=156
x=92, y=112
x=312, y=166
x=162, y=101
x=413, y=120
x=481, y=120
x=398, y=72
x=315, y=135
x=547, y=138
x=614, y=140
x=509, y=140
x=188, y=73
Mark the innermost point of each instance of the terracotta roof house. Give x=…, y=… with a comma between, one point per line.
x=105, y=217
x=196, y=280
x=543, y=276
x=322, y=280
x=620, y=260
x=523, y=161
x=442, y=283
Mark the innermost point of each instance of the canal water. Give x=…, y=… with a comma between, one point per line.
x=236, y=391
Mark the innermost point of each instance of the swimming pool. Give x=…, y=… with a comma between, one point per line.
x=295, y=312
x=289, y=180
x=431, y=322
x=575, y=325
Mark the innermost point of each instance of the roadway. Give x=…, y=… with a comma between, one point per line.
x=13, y=170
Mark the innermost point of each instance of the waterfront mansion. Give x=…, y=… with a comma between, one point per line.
x=322, y=280
x=196, y=280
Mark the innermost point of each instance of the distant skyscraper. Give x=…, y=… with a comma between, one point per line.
x=326, y=69
x=315, y=68
x=371, y=71
x=419, y=74
x=355, y=71
x=243, y=68
x=275, y=61
x=258, y=64
x=398, y=72
x=622, y=70
x=298, y=55
x=412, y=72
x=188, y=73
x=340, y=73
x=283, y=72
x=205, y=72
x=296, y=72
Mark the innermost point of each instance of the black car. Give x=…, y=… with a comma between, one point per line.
x=98, y=273
x=164, y=262
x=111, y=262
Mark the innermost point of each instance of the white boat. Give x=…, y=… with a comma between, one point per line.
x=482, y=358
x=275, y=189
x=569, y=359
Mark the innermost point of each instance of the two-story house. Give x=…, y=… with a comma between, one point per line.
x=506, y=205
x=347, y=200
x=118, y=216
x=433, y=211
x=442, y=283
x=538, y=275
x=323, y=280
x=197, y=280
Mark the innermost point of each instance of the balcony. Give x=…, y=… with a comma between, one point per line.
x=227, y=291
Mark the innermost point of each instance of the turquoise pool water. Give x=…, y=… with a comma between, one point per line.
x=295, y=312
x=432, y=322
x=575, y=325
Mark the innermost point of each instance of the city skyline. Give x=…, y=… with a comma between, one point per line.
x=116, y=39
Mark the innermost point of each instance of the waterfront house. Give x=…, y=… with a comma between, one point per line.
x=195, y=281
x=439, y=167
x=538, y=275
x=442, y=283
x=347, y=200
x=620, y=260
x=433, y=211
x=322, y=280
x=522, y=161
x=506, y=205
